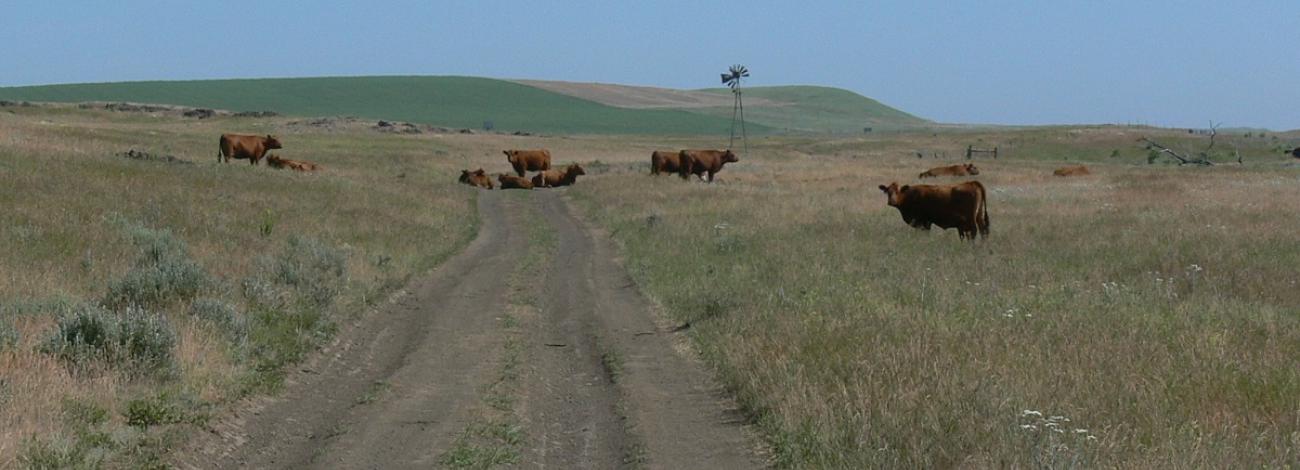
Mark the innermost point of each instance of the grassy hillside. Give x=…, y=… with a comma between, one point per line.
x=445, y=101
x=816, y=109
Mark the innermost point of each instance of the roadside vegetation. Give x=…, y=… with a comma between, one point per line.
x=140, y=297
x=1144, y=316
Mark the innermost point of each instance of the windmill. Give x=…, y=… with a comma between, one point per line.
x=732, y=79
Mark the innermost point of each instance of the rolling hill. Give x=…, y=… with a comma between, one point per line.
x=511, y=106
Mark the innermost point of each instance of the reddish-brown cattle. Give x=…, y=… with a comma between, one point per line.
x=557, y=178
x=1075, y=170
x=274, y=161
x=528, y=160
x=478, y=178
x=699, y=162
x=252, y=147
x=960, y=205
x=953, y=170
x=665, y=161
x=514, y=182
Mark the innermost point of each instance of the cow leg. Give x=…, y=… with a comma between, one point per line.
x=711, y=175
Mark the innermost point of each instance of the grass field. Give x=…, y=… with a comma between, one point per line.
x=463, y=102
x=818, y=109
x=1153, y=306
x=1142, y=317
x=247, y=268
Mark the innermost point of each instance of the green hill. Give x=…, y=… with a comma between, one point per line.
x=470, y=101
x=816, y=109
x=445, y=101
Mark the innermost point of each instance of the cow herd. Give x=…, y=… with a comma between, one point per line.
x=691, y=162
x=256, y=147
x=524, y=161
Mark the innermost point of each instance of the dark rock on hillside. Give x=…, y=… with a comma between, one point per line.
x=201, y=113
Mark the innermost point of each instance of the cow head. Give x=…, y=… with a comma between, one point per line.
x=730, y=157
x=576, y=169
x=464, y=176
x=894, y=193
x=970, y=169
x=510, y=155
x=271, y=142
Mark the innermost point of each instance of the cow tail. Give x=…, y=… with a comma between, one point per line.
x=983, y=213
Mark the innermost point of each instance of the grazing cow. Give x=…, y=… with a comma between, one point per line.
x=953, y=170
x=959, y=205
x=557, y=178
x=274, y=161
x=665, y=161
x=528, y=160
x=1073, y=170
x=699, y=162
x=252, y=147
x=514, y=182
x=477, y=178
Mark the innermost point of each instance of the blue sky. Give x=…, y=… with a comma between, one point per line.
x=1008, y=62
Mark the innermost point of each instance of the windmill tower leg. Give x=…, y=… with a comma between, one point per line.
x=744, y=137
x=735, y=103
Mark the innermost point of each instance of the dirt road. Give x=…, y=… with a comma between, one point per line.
x=465, y=369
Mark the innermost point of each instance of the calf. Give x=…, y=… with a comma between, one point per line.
x=699, y=162
x=953, y=170
x=514, y=182
x=476, y=178
x=528, y=160
x=252, y=147
x=959, y=205
x=1074, y=170
x=275, y=161
x=557, y=178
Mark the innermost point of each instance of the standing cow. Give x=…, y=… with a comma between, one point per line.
x=960, y=205
x=528, y=160
x=252, y=147
x=699, y=162
x=665, y=161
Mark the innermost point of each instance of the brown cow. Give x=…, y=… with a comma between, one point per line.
x=665, y=161
x=960, y=205
x=953, y=170
x=698, y=162
x=252, y=147
x=477, y=178
x=557, y=178
x=513, y=182
x=274, y=161
x=528, y=160
x=1075, y=170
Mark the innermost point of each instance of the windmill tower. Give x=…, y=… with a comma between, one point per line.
x=732, y=79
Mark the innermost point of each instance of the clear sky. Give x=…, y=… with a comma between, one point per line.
x=1006, y=62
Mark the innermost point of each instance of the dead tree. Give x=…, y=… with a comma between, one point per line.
x=1202, y=158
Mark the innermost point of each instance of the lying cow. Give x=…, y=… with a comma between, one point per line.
x=252, y=147
x=699, y=162
x=953, y=170
x=960, y=205
x=476, y=178
x=514, y=182
x=665, y=161
x=557, y=178
x=274, y=161
x=528, y=160
x=1074, y=170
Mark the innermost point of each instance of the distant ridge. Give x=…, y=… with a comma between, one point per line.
x=525, y=105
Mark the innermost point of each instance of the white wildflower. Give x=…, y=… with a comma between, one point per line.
x=1027, y=413
x=1029, y=427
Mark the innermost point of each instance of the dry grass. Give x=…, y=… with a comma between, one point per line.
x=388, y=202
x=1155, y=307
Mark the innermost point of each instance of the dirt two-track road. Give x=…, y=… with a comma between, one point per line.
x=583, y=375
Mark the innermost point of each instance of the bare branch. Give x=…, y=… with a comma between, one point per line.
x=1182, y=160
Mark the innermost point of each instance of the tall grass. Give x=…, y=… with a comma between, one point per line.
x=1143, y=317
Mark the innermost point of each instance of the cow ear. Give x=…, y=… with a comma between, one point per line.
x=884, y=189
